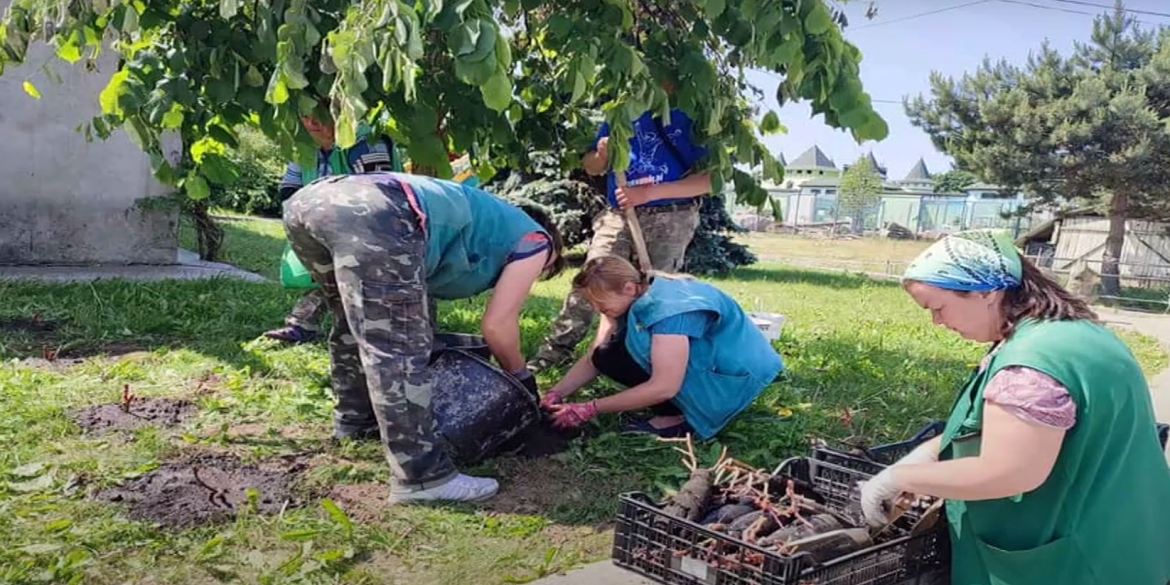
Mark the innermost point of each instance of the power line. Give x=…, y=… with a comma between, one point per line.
x=1082, y=12
x=1044, y=7
x=919, y=15
x=1020, y=3
x=1108, y=7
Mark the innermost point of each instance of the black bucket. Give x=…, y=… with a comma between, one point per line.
x=465, y=341
x=478, y=407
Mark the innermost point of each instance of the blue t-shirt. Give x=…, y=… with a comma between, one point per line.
x=652, y=161
x=693, y=324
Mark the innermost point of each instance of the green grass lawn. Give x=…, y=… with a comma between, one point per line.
x=863, y=360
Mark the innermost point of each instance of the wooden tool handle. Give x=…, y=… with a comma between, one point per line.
x=636, y=232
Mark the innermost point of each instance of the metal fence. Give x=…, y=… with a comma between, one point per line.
x=917, y=213
x=1142, y=288
x=1143, y=285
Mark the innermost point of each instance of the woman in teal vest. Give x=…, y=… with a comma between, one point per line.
x=1050, y=464
x=380, y=245
x=684, y=349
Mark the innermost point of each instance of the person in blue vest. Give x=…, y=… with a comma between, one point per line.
x=685, y=349
x=665, y=189
x=380, y=245
x=367, y=155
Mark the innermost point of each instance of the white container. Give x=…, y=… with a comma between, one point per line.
x=769, y=323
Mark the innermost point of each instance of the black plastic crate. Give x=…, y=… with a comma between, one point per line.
x=675, y=551
x=884, y=455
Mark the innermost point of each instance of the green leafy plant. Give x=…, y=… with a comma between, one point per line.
x=953, y=181
x=861, y=188
x=496, y=78
x=261, y=168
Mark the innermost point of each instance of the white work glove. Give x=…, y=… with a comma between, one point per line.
x=882, y=489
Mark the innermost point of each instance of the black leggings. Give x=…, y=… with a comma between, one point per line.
x=613, y=360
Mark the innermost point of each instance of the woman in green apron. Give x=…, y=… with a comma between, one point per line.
x=1050, y=463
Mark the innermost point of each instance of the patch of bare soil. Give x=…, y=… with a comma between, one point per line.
x=362, y=502
x=41, y=343
x=206, y=489
x=34, y=325
x=560, y=534
x=263, y=431
x=162, y=412
x=55, y=357
x=534, y=486
x=111, y=349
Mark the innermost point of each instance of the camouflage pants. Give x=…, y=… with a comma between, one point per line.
x=668, y=232
x=364, y=245
x=310, y=311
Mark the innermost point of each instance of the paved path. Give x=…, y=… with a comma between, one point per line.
x=603, y=573
x=1157, y=326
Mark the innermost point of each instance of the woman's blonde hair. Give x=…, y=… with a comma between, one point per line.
x=609, y=274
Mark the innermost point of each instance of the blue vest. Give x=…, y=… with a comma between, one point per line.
x=470, y=234
x=728, y=368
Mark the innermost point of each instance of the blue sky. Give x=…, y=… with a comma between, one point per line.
x=903, y=45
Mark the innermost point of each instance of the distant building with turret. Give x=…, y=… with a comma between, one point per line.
x=812, y=181
x=918, y=180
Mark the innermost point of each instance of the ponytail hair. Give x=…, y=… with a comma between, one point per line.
x=610, y=274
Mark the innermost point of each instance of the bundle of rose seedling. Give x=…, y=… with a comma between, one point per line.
x=773, y=512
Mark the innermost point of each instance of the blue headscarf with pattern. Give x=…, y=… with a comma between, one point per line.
x=973, y=261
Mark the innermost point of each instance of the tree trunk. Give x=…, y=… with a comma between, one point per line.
x=1111, y=257
x=208, y=233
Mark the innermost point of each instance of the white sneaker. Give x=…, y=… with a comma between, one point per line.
x=463, y=488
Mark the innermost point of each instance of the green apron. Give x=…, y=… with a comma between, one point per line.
x=1103, y=515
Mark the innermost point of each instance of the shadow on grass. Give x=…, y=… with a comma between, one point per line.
x=217, y=318
x=881, y=387
x=782, y=275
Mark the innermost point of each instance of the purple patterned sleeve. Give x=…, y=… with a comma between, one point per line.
x=1032, y=396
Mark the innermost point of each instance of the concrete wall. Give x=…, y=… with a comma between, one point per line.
x=63, y=200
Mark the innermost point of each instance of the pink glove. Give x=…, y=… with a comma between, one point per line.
x=550, y=399
x=569, y=416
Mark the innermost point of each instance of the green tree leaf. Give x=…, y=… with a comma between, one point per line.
x=252, y=77
x=818, y=21
x=228, y=8
x=196, y=187
x=219, y=169
x=31, y=89
x=497, y=92
x=475, y=72
x=173, y=120
x=69, y=49
x=277, y=90
x=110, y=97
x=771, y=124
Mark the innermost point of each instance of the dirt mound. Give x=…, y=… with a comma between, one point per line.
x=205, y=490
x=363, y=502
x=163, y=412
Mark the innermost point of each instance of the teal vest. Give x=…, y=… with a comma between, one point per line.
x=470, y=234
x=728, y=368
x=1103, y=515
